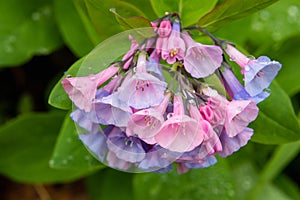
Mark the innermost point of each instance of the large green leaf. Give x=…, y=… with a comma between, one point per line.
x=87, y=22
x=131, y=22
x=190, y=11
x=214, y=182
x=26, y=146
x=72, y=28
x=276, y=122
x=26, y=29
x=231, y=10
x=103, y=185
x=100, y=9
x=70, y=153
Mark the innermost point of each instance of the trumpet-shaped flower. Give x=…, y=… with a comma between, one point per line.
x=238, y=116
x=129, y=149
x=138, y=91
x=147, y=122
x=179, y=132
x=82, y=90
x=235, y=89
x=232, y=144
x=201, y=60
x=175, y=47
x=258, y=74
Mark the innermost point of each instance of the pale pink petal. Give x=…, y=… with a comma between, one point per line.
x=82, y=90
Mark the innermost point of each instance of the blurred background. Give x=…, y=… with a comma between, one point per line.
x=41, y=39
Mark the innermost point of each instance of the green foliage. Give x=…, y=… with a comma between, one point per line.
x=25, y=154
x=211, y=183
x=231, y=10
x=72, y=27
x=110, y=184
x=189, y=10
x=271, y=127
x=26, y=29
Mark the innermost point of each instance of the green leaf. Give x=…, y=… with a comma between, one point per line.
x=288, y=77
x=58, y=97
x=100, y=9
x=276, y=122
x=214, y=182
x=26, y=147
x=103, y=185
x=88, y=25
x=145, y=7
x=281, y=157
x=266, y=29
x=131, y=22
x=72, y=28
x=190, y=11
x=231, y=10
x=70, y=153
x=26, y=29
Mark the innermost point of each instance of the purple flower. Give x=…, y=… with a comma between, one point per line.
x=201, y=60
x=129, y=149
x=96, y=142
x=235, y=89
x=175, y=45
x=139, y=90
x=154, y=160
x=232, y=144
x=89, y=120
x=258, y=74
x=111, y=110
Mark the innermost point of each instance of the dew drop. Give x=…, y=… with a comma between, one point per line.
x=70, y=157
x=92, y=77
x=51, y=162
x=247, y=68
x=12, y=39
x=46, y=11
x=36, y=16
x=69, y=140
x=8, y=49
x=264, y=15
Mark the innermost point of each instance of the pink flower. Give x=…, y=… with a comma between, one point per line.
x=164, y=28
x=201, y=60
x=175, y=46
x=142, y=90
x=238, y=116
x=179, y=133
x=82, y=90
x=211, y=143
x=146, y=123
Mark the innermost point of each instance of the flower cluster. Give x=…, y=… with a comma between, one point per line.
x=152, y=109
